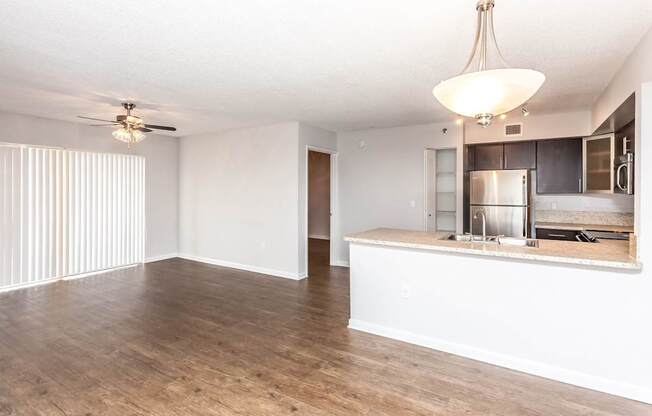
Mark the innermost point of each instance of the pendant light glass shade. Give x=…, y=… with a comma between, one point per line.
x=486, y=93
x=494, y=91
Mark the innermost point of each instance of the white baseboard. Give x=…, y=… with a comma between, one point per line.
x=112, y=269
x=63, y=278
x=340, y=263
x=239, y=266
x=319, y=236
x=28, y=285
x=161, y=257
x=630, y=391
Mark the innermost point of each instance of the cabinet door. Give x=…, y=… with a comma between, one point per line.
x=598, y=164
x=520, y=155
x=548, y=234
x=559, y=166
x=469, y=155
x=488, y=156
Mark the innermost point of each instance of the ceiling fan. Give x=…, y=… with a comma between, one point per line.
x=132, y=128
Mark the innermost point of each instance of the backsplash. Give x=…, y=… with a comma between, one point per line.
x=581, y=202
x=585, y=217
x=585, y=202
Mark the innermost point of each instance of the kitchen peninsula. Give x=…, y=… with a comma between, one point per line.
x=516, y=307
x=606, y=253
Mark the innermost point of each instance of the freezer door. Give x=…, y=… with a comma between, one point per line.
x=507, y=221
x=499, y=187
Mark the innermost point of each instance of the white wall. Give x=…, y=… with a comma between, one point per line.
x=321, y=139
x=636, y=70
x=644, y=189
x=579, y=325
x=160, y=152
x=319, y=189
x=535, y=126
x=382, y=171
x=238, y=198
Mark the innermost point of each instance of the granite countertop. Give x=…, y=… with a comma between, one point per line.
x=606, y=253
x=584, y=227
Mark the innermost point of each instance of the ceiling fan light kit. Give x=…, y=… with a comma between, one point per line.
x=129, y=136
x=131, y=128
x=487, y=92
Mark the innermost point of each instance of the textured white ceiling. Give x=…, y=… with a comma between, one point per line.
x=213, y=65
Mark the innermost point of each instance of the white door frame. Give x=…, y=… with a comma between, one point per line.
x=333, y=202
x=427, y=180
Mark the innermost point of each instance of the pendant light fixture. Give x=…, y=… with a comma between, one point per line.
x=482, y=90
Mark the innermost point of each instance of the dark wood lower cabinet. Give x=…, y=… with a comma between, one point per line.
x=550, y=234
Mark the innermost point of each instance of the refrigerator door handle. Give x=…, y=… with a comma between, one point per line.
x=524, y=222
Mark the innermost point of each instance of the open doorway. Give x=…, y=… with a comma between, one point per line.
x=440, y=208
x=319, y=209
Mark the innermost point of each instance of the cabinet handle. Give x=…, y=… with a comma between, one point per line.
x=618, y=175
x=579, y=181
x=558, y=235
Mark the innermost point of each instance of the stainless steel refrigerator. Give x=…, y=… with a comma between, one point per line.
x=503, y=196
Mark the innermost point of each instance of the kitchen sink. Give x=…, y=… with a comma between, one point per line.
x=505, y=241
x=471, y=238
x=519, y=242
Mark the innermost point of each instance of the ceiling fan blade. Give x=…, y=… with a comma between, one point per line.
x=154, y=126
x=102, y=125
x=144, y=129
x=97, y=119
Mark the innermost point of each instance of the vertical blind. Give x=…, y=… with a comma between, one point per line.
x=66, y=212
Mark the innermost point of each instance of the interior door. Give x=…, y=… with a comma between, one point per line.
x=507, y=221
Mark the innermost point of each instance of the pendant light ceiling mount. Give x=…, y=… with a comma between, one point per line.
x=487, y=86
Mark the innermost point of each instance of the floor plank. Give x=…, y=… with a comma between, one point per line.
x=177, y=337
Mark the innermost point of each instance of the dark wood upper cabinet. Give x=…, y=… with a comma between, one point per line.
x=520, y=155
x=488, y=156
x=559, y=166
x=469, y=155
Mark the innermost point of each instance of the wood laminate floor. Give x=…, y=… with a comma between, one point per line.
x=177, y=337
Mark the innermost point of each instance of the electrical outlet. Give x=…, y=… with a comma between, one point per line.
x=405, y=291
x=413, y=204
x=553, y=205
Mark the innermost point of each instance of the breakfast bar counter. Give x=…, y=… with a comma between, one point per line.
x=605, y=253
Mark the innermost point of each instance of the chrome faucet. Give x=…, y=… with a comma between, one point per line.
x=477, y=213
